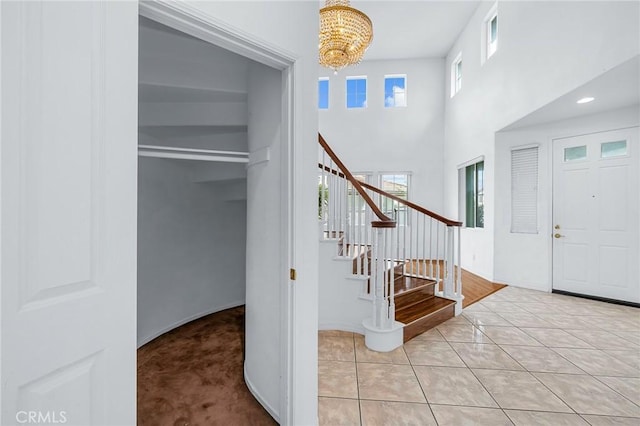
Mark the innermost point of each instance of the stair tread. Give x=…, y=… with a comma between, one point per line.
x=405, y=300
x=409, y=284
x=421, y=309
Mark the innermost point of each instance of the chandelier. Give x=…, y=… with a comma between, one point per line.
x=345, y=34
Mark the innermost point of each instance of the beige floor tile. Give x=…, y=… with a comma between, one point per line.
x=459, y=320
x=338, y=412
x=336, y=348
x=455, y=386
x=564, y=321
x=485, y=356
x=432, y=353
x=498, y=307
x=520, y=390
x=337, y=379
x=364, y=354
x=597, y=362
x=462, y=333
x=626, y=386
x=519, y=297
x=521, y=319
x=555, y=338
x=335, y=333
x=626, y=325
x=604, y=340
x=611, y=421
x=537, y=418
x=586, y=395
x=477, y=307
x=385, y=413
x=432, y=335
x=388, y=382
x=632, y=336
x=538, y=308
x=509, y=336
x=541, y=359
x=447, y=415
x=486, y=318
x=631, y=358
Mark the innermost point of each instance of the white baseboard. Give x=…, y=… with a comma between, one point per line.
x=183, y=321
x=259, y=397
x=526, y=285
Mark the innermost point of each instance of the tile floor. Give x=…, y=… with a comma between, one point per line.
x=518, y=357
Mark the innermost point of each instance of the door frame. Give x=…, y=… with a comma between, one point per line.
x=551, y=158
x=189, y=20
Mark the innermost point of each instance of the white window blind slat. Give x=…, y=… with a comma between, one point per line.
x=524, y=190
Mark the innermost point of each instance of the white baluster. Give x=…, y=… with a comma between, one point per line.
x=448, y=281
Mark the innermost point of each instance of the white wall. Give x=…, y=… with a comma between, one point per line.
x=545, y=49
x=291, y=26
x=403, y=139
x=191, y=247
x=340, y=306
x=524, y=260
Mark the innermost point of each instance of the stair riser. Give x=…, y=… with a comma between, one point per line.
x=428, y=322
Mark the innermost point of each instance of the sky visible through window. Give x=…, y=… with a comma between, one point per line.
x=356, y=93
x=323, y=94
x=395, y=94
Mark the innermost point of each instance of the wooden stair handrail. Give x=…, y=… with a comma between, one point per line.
x=422, y=210
x=357, y=185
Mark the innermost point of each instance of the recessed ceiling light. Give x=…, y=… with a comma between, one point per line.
x=585, y=100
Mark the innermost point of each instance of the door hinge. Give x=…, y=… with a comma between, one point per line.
x=292, y=274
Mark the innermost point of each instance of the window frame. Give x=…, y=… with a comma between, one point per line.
x=477, y=194
x=393, y=76
x=456, y=75
x=366, y=91
x=394, y=214
x=489, y=48
x=321, y=79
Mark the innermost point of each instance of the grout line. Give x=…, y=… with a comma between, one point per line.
x=551, y=304
x=616, y=391
x=355, y=357
x=420, y=384
x=525, y=370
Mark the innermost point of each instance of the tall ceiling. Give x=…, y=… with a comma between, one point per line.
x=616, y=88
x=414, y=29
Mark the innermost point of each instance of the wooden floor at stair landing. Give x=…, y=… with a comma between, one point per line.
x=475, y=288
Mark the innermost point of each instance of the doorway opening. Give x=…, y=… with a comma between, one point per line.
x=214, y=167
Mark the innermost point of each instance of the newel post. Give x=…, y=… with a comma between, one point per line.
x=382, y=332
x=453, y=272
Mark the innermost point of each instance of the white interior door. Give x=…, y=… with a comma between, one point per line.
x=595, y=215
x=68, y=212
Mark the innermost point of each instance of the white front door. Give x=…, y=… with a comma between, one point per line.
x=595, y=215
x=68, y=161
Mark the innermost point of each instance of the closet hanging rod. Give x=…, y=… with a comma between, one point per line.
x=158, y=151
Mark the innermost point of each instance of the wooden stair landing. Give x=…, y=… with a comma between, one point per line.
x=475, y=288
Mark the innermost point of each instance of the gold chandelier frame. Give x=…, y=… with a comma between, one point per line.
x=345, y=34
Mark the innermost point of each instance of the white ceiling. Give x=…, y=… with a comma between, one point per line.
x=414, y=29
x=614, y=89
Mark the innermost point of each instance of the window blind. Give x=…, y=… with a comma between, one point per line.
x=524, y=190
